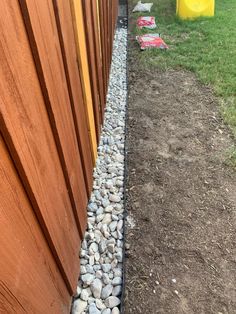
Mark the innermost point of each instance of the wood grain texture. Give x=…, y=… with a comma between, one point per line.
x=81, y=46
x=67, y=38
x=88, y=21
x=103, y=43
x=26, y=129
x=30, y=281
x=98, y=57
x=43, y=36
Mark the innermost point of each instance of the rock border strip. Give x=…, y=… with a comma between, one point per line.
x=100, y=284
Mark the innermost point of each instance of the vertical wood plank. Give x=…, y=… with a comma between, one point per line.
x=88, y=20
x=97, y=54
x=30, y=281
x=67, y=38
x=77, y=12
x=43, y=36
x=25, y=127
x=103, y=42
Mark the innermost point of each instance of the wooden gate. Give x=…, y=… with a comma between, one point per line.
x=55, y=57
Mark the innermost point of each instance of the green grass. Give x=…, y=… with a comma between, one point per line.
x=206, y=46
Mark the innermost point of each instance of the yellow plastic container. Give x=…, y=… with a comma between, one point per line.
x=190, y=9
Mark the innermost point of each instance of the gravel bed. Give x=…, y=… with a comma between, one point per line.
x=100, y=284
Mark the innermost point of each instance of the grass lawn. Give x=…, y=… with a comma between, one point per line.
x=206, y=46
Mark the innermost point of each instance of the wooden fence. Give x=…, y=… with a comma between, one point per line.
x=55, y=58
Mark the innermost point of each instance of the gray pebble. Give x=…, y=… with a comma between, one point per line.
x=106, y=291
x=93, y=309
x=112, y=302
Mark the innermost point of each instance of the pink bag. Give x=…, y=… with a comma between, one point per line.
x=151, y=41
x=147, y=22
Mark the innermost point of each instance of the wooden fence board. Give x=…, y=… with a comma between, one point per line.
x=43, y=35
x=77, y=11
x=55, y=62
x=25, y=126
x=88, y=20
x=65, y=27
x=98, y=58
x=27, y=268
x=103, y=43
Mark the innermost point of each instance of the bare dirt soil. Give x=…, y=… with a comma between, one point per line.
x=182, y=197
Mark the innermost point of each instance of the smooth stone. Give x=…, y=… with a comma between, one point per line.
x=91, y=260
x=113, y=226
x=119, y=158
x=93, y=309
x=114, y=198
x=98, y=274
x=85, y=294
x=83, y=270
x=106, y=267
x=96, y=288
x=106, y=279
x=119, y=257
x=96, y=267
x=92, y=207
x=96, y=256
x=100, y=305
x=117, y=281
x=117, y=272
x=106, y=291
x=105, y=203
x=107, y=219
x=84, y=245
x=89, y=269
x=78, y=291
x=114, y=263
x=99, y=218
x=91, y=300
x=115, y=310
x=93, y=248
x=119, y=183
x=112, y=302
x=91, y=220
x=102, y=247
x=99, y=211
x=113, y=241
x=87, y=279
x=111, y=276
x=120, y=225
x=109, y=209
x=79, y=306
x=83, y=261
x=117, y=291
x=111, y=248
x=114, y=217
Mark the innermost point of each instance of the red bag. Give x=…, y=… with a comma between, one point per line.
x=147, y=22
x=151, y=41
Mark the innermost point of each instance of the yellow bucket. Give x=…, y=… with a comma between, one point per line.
x=189, y=9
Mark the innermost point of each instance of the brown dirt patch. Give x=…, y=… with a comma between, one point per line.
x=182, y=197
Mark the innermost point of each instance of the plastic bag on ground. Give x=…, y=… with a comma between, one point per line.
x=143, y=7
x=151, y=41
x=147, y=22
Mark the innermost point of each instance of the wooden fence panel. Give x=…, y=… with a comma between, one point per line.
x=26, y=129
x=88, y=20
x=103, y=44
x=27, y=268
x=98, y=57
x=82, y=54
x=55, y=63
x=67, y=36
x=43, y=35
